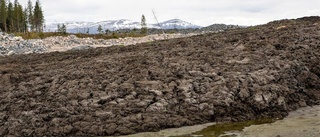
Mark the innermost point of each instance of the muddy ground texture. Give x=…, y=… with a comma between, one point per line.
x=237, y=75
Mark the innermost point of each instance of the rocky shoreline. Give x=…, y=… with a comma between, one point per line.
x=237, y=75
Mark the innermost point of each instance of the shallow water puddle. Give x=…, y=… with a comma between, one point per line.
x=226, y=130
x=304, y=122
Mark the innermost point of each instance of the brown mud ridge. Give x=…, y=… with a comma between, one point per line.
x=237, y=75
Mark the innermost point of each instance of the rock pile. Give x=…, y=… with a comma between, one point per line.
x=10, y=44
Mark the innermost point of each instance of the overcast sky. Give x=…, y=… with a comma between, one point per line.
x=200, y=12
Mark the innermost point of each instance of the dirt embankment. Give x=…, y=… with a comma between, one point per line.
x=237, y=75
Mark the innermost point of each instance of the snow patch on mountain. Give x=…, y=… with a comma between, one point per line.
x=112, y=25
x=177, y=24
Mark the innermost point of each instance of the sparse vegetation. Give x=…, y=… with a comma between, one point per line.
x=42, y=35
x=114, y=35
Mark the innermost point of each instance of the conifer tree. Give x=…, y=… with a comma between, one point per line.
x=3, y=15
x=62, y=28
x=10, y=22
x=30, y=16
x=38, y=17
x=17, y=16
x=144, y=28
x=100, y=29
x=21, y=18
x=25, y=20
x=58, y=28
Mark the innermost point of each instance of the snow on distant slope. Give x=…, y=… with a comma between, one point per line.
x=177, y=24
x=92, y=27
x=51, y=27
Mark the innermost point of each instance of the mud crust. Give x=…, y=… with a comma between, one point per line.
x=237, y=75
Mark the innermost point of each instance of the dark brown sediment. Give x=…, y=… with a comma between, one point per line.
x=237, y=75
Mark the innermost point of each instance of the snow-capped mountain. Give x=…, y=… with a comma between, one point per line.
x=177, y=24
x=52, y=27
x=112, y=25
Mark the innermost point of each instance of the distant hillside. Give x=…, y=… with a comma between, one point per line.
x=219, y=27
x=112, y=25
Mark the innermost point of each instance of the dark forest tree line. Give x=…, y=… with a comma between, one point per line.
x=15, y=18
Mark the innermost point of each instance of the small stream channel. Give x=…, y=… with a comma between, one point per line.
x=226, y=130
x=204, y=130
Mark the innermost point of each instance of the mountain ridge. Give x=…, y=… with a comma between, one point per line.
x=112, y=25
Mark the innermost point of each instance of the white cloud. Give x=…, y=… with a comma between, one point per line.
x=201, y=12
